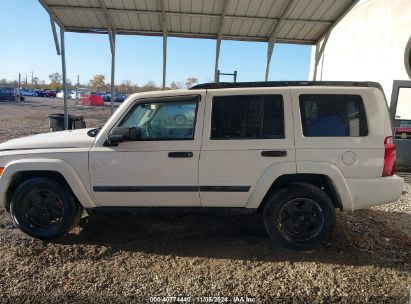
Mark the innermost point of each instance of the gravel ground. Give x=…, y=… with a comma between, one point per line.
x=128, y=259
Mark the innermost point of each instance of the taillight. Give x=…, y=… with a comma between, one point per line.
x=389, y=156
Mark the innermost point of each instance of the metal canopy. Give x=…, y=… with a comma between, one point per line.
x=273, y=21
x=304, y=22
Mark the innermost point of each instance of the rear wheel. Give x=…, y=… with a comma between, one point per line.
x=300, y=217
x=44, y=208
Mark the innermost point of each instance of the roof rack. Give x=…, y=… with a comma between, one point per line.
x=259, y=84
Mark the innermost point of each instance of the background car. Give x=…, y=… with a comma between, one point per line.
x=40, y=93
x=10, y=94
x=51, y=93
x=175, y=115
x=27, y=92
x=60, y=94
x=6, y=94
x=120, y=98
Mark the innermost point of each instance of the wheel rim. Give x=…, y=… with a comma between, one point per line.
x=300, y=219
x=42, y=208
x=180, y=120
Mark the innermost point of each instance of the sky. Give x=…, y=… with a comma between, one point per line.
x=27, y=46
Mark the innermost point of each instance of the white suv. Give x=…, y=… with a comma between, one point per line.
x=294, y=151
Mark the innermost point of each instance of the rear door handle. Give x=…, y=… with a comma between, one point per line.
x=274, y=153
x=180, y=154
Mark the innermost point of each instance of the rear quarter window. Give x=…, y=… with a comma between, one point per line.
x=333, y=115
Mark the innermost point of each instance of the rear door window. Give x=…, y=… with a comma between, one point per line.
x=332, y=115
x=247, y=117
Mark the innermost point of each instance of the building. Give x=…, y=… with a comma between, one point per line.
x=373, y=43
x=369, y=44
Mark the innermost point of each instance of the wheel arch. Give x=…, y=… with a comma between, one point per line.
x=322, y=175
x=17, y=172
x=321, y=181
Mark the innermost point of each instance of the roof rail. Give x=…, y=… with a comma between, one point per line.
x=259, y=84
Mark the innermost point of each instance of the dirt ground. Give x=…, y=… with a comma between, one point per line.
x=129, y=259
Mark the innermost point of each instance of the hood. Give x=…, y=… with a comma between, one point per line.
x=62, y=139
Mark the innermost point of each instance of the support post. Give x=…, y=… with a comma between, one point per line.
x=113, y=62
x=317, y=49
x=63, y=68
x=319, y=52
x=164, y=24
x=219, y=37
x=164, y=60
x=270, y=49
x=217, y=58
x=274, y=33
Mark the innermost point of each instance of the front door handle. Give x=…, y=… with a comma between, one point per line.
x=180, y=154
x=274, y=153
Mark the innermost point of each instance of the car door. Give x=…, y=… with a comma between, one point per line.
x=160, y=169
x=400, y=110
x=246, y=131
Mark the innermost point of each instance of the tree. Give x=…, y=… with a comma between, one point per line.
x=98, y=81
x=55, y=81
x=35, y=82
x=176, y=85
x=150, y=86
x=190, y=82
x=125, y=87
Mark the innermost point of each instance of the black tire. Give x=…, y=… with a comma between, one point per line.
x=44, y=208
x=299, y=217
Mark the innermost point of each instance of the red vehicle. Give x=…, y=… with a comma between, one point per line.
x=50, y=93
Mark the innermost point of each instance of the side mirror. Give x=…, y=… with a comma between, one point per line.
x=120, y=134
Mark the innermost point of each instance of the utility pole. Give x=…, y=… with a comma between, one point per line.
x=32, y=77
x=18, y=97
x=77, y=92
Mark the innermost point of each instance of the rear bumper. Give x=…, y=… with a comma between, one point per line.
x=368, y=192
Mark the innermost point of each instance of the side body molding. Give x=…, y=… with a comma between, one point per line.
x=267, y=179
x=57, y=165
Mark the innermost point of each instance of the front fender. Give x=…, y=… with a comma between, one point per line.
x=56, y=165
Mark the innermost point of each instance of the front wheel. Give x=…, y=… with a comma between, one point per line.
x=300, y=217
x=44, y=208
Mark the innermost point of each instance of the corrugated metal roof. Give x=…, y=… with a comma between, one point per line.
x=304, y=22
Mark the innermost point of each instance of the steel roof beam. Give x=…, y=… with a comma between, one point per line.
x=83, y=8
x=219, y=37
x=110, y=24
x=56, y=40
x=186, y=35
x=51, y=13
x=340, y=17
x=274, y=34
